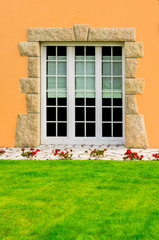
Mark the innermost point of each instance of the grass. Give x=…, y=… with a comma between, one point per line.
x=79, y=200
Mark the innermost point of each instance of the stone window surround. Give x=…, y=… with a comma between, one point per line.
x=28, y=125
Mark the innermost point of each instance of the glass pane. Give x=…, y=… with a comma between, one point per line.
x=117, y=114
x=61, y=83
x=106, y=130
x=106, y=102
x=106, y=68
x=50, y=100
x=106, y=83
x=117, y=130
x=117, y=84
x=62, y=101
x=90, y=114
x=90, y=129
x=106, y=53
x=79, y=101
x=79, y=84
x=51, y=129
x=106, y=114
x=90, y=101
x=79, y=68
x=90, y=68
x=51, y=68
x=117, y=101
x=79, y=114
x=90, y=53
x=61, y=53
x=61, y=68
x=51, y=114
x=90, y=95
x=79, y=53
x=79, y=95
x=117, y=68
x=117, y=95
x=51, y=94
x=117, y=53
x=90, y=83
x=62, y=114
x=51, y=53
x=62, y=129
x=62, y=94
x=106, y=95
x=51, y=83
x=79, y=130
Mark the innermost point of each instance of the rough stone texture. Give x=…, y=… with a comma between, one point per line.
x=30, y=49
x=130, y=67
x=134, y=49
x=130, y=104
x=134, y=86
x=81, y=32
x=28, y=130
x=50, y=34
x=33, y=103
x=30, y=85
x=135, y=132
x=34, y=67
x=111, y=34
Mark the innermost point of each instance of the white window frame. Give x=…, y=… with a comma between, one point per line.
x=71, y=139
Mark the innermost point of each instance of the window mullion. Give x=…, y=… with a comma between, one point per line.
x=98, y=69
x=71, y=92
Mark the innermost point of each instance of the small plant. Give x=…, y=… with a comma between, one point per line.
x=129, y=155
x=29, y=154
x=97, y=153
x=156, y=156
x=2, y=152
x=63, y=154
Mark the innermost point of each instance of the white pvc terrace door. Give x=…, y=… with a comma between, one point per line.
x=82, y=94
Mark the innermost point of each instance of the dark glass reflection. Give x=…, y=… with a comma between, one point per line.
x=106, y=101
x=117, y=51
x=79, y=129
x=106, y=129
x=79, y=114
x=51, y=51
x=90, y=129
x=79, y=51
x=51, y=129
x=106, y=114
x=117, y=114
x=62, y=130
x=62, y=114
x=61, y=51
x=90, y=51
x=90, y=114
x=51, y=114
x=117, y=130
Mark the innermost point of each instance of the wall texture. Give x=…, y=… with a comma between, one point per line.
x=17, y=16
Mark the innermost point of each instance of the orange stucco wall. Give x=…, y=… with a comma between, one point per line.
x=17, y=16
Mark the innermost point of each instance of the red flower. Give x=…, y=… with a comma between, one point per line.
x=105, y=149
x=94, y=149
x=91, y=153
x=67, y=151
x=71, y=150
x=32, y=149
x=55, y=154
x=38, y=150
x=23, y=149
x=142, y=156
x=128, y=151
x=63, y=154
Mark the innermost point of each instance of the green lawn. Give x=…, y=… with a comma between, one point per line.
x=79, y=200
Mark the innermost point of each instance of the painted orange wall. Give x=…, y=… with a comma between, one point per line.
x=17, y=16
